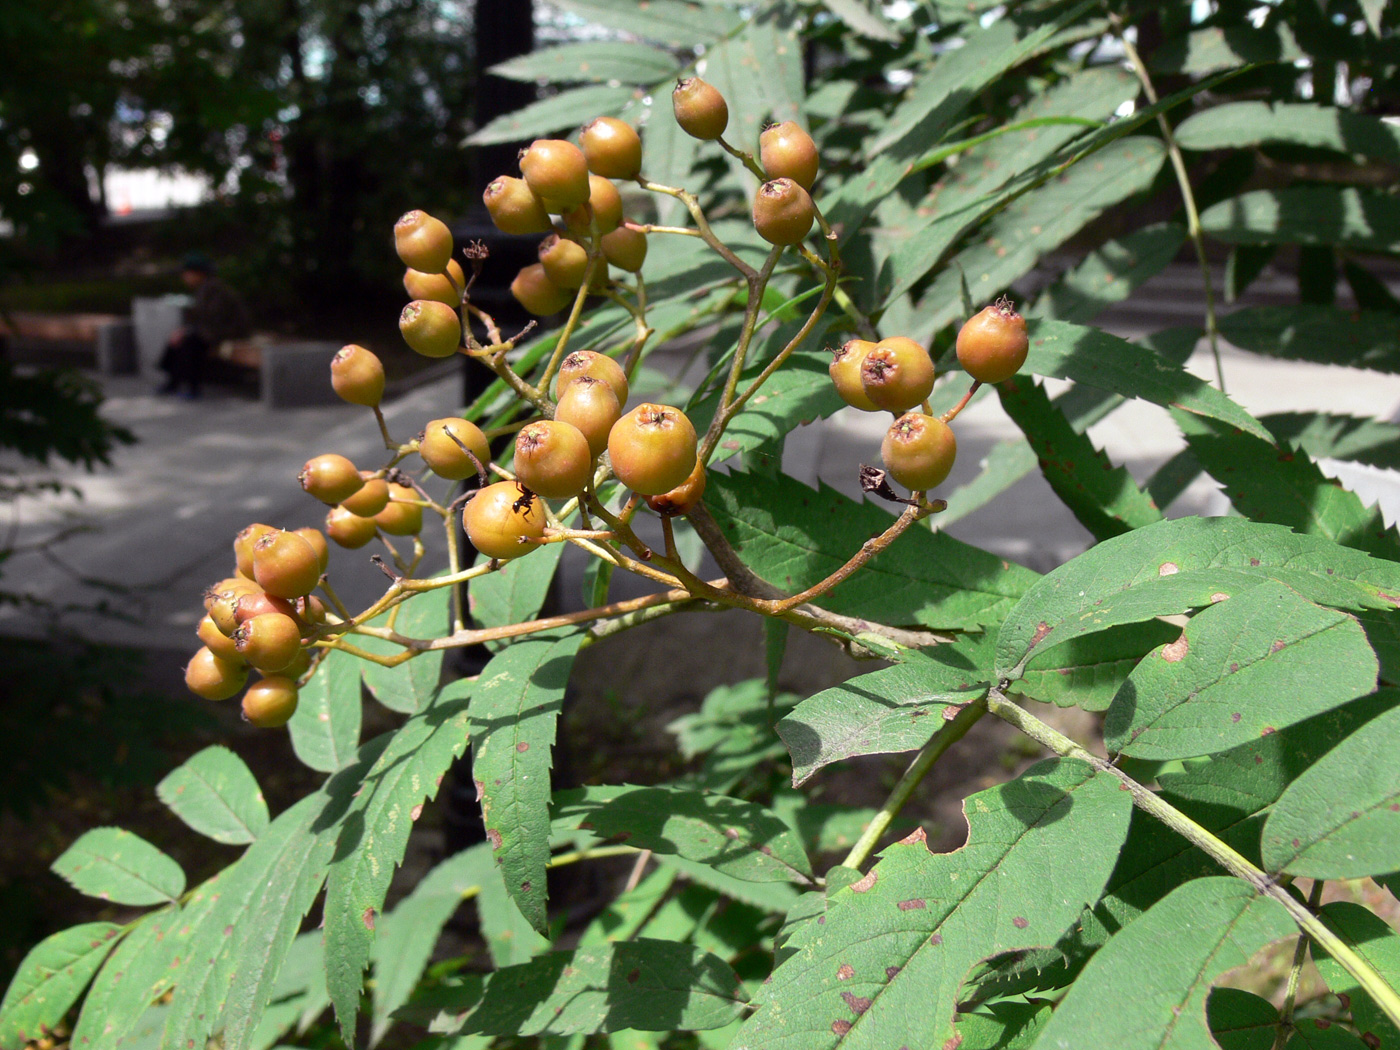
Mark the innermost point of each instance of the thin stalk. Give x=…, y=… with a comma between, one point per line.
x=702, y=224
x=454, y=566
x=746, y=159
x=952, y=413
x=389, y=442
x=1295, y=973
x=562, y=345
x=948, y=735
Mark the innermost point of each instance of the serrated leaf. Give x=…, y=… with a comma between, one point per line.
x=668, y=154
x=135, y=975
x=1374, y=940
x=410, y=687
x=326, y=727
x=1110, y=273
x=1104, y=498
x=515, y=707
x=1325, y=334
x=1241, y=1020
x=516, y=593
x=374, y=834
x=1159, y=996
x=794, y=537
x=1005, y=464
x=772, y=897
x=622, y=918
x=116, y=865
x=884, y=712
x=1095, y=358
x=886, y=966
x=299, y=996
x=1244, y=667
x=759, y=72
x=1006, y=1025
x=215, y=794
x=860, y=18
x=738, y=838
x=1087, y=671
x=1341, y=819
x=1251, y=123
x=1319, y=1033
x=1322, y=435
x=1340, y=216
x=650, y=985
x=668, y=22
x=1173, y=567
x=51, y=978
x=624, y=61
x=568, y=109
x=1228, y=47
x=509, y=938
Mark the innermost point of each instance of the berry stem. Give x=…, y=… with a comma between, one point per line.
x=702, y=224
x=1295, y=971
x=684, y=231
x=454, y=566
x=952, y=413
x=562, y=345
x=389, y=442
x=744, y=158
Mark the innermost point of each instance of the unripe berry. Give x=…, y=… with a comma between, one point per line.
x=514, y=207
x=213, y=678
x=552, y=459
x=371, y=499
x=357, y=376
x=423, y=242
x=700, y=109
x=612, y=148
x=445, y=456
x=221, y=599
x=243, y=547
x=271, y=702
x=331, y=478
x=502, y=518
x=599, y=366
x=897, y=375
x=262, y=604
x=652, y=449
x=557, y=172
x=349, y=530
x=845, y=373
x=437, y=286
x=992, y=346
x=539, y=295
x=786, y=151
x=590, y=405
x=218, y=643
x=783, y=212
x=431, y=328
x=286, y=565
x=268, y=642
x=604, y=207
x=625, y=248
x=318, y=542
x=683, y=498
x=401, y=518
x=565, y=262
x=918, y=451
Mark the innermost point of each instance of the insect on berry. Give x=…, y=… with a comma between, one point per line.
x=502, y=519
x=992, y=345
x=358, y=375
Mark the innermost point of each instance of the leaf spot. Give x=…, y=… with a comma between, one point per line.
x=840, y=1027
x=634, y=975
x=368, y=919
x=522, y=747
x=1278, y=646
x=1168, y=568
x=494, y=837
x=1041, y=630
x=1235, y=717
x=891, y=972
x=846, y=972
x=1219, y=596
x=1020, y=922
x=912, y=904
x=865, y=882
x=858, y=1003
x=1267, y=730
x=1176, y=651
x=936, y=939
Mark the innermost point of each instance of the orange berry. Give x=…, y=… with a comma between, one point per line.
x=992, y=346
x=683, y=498
x=786, y=151
x=271, y=702
x=441, y=448
x=371, y=498
x=318, y=542
x=783, y=213
x=358, y=375
x=501, y=519
x=652, y=449
x=845, y=373
x=269, y=641
x=285, y=565
x=401, y=518
x=214, y=678
x=331, y=478
x=700, y=109
x=625, y=248
x=514, y=208
x=218, y=643
x=431, y=328
x=612, y=148
x=590, y=405
x=565, y=262
x=423, y=242
x=350, y=530
x=437, y=286
x=599, y=366
x=918, y=451
x=557, y=172
x=243, y=547
x=552, y=459
x=539, y=295
x=897, y=374
x=604, y=206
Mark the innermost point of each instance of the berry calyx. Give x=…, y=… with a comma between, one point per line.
x=783, y=213
x=441, y=447
x=897, y=374
x=552, y=459
x=918, y=451
x=786, y=151
x=565, y=262
x=423, y=242
x=612, y=148
x=268, y=642
x=371, y=499
x=683, y=498
x=557, y=172
x=599, y=366
x=992, y=345
x=441, y=287
x=358, y=375
x=514, y=208
x=700, y=109
x=285, y=565
x=331, y=478
x=845, y=373
x=270, y=702
x=431, y=328
x=539, y=295
x=604, y=207
x=400, y=517
x=590, y=405
x=350, y=530
x=652, y=449
x=212, y=677
x=502, y=519
x=243, y=547
x=625, y=248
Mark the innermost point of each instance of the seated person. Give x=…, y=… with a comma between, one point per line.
x=217, y=314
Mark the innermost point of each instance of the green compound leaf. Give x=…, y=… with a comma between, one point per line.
x=1341, y=819
x=1209, y=50
x=374, y=834
x=1376, y=941
x=299, y=997
x=669, y=22
x=650, y=985
x=794, y=537
x=738, y=838
x=1321, y=1034
x=515, y=593
x=1240, y=124
x=509, y=938
x=568, y=109
x=1157, y=972
x=622, y=918
x=1322, y=435
x=1326, y=335
x=410, y=687
x=859, y=18
x=1094, y=358
x=1244, y=667
x=884, y=712
x=1088, y=671
x=326, y=727
x=1241, y=1020
x=115, y=865
x=1342, y=217
x=136, y=974
x=1103, y=497
x=1110, y=273
x=51, y=978
x=627, y=63
x=216, y=794
x=1176, y=566
x=515, y=708
x=886, y=966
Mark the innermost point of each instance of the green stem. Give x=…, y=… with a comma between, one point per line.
x=1376, y=986
x=562, y=345
x=950, y=733
x=702, y=224
x=1295, y=973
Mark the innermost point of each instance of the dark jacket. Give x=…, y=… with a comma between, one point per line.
x=217, y=313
